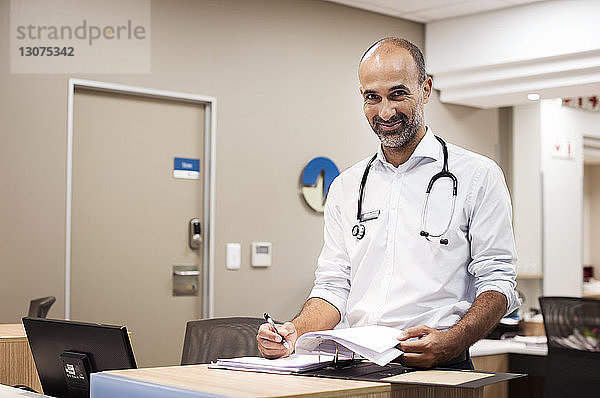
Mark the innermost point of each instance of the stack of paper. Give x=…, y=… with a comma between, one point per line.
x=292, y=364
x=375, y=343
x=317, y=349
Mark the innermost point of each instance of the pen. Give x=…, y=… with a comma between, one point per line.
x=270, y=320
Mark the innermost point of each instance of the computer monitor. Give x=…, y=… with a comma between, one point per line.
x=66, y=352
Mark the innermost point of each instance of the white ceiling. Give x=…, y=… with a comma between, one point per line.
x=431, y=10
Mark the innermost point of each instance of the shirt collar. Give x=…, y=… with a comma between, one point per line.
x=428, y=148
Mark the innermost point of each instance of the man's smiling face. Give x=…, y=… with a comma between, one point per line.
x=393, y=97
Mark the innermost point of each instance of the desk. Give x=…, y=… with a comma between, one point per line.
x=511, y=356
x=496, y=347
x=198, y=381
x=16, y=361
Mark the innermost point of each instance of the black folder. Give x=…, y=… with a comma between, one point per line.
x=368, y=371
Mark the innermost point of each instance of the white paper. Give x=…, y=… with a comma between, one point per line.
x=293, y=363
x=375, y=343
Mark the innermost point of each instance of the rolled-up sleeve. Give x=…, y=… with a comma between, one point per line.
x=493, y=251
x=332, y=277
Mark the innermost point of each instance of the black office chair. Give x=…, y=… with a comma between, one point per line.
x=207, y=340
x=573, y=331
x=39, y=308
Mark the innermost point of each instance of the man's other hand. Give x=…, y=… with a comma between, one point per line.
x=432, y=347
x=269, y=342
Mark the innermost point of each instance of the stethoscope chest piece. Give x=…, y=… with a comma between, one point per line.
x=358, y=231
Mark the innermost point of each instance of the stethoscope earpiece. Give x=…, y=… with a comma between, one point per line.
x=443, y=241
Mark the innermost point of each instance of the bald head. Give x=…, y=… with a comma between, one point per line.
x=388, y=46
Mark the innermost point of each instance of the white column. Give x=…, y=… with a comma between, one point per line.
x=562, y=199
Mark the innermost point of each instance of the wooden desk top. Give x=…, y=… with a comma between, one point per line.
x=249, y=384
x=12, y=331
x=17, y=331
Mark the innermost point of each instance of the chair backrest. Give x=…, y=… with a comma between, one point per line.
x=573, y=331
x=572, y=323
x=207, y=340
x=38, y=308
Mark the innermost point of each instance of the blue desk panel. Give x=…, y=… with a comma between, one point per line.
x=104, y=385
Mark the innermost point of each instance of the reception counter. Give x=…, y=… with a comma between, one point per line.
x=512, y=356
x=17, y=367
x=200, y=381
x=16, y=361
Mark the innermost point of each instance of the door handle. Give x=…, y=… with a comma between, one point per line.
x=185, y=280
x=195, y=234
x=186, y=273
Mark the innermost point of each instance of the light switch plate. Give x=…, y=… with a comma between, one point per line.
x=234, y=256
x=261, y=254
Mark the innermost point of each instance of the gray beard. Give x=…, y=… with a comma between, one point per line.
x=404, y=134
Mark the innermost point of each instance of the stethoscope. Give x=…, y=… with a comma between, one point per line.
x=358, y=230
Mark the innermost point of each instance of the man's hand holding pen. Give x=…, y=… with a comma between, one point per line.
x=271, y=339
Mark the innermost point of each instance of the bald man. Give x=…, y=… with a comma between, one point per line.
x=438, y=266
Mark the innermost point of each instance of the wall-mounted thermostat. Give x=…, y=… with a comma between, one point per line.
x=261, y=254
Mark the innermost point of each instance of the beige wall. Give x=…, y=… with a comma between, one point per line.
x=505, y=144
x=284, y=74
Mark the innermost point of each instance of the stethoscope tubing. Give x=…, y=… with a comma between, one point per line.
x=358, y=230
x=361, y=189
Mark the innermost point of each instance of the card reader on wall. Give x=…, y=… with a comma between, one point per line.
x=261, y=254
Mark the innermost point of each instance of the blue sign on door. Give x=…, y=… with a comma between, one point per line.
x=186, y=168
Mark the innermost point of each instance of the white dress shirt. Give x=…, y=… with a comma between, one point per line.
x=395, y=277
